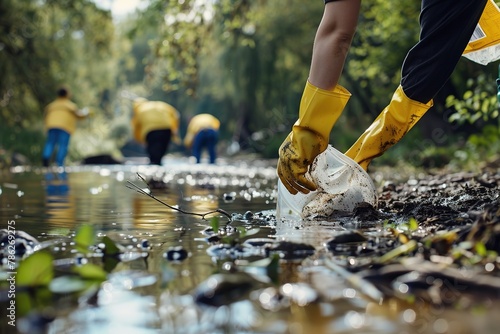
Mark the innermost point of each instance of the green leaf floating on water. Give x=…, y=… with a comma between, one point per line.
x=36, y=270
x=214, y=223
x=91, y=272
x=110, y=247
x=84, y=238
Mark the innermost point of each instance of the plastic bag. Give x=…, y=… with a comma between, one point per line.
x=342, y=185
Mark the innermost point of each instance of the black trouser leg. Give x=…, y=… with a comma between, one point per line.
x=157, y=142
x=446, y=27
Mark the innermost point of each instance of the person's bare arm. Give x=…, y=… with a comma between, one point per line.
x=332, y=42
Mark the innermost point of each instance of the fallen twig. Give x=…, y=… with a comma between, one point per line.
x=135, y=187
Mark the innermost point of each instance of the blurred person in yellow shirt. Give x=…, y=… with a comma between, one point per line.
x=60, y=116
x=203, y=133
x=155, y=124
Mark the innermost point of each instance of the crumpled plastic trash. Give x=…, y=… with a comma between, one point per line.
x=342, y=185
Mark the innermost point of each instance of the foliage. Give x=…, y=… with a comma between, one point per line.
x=244, y=61
x=46, y=44
x=235, y=53
x=29, y=146
x=38, y=276
x=479, y=102
x=229, y=235
x=98, y=135
x=36, y=270
x=84, y=238
x=482, y=146
x=384, y=33
x=43, y=45
x=478, y=106
x=487, y=139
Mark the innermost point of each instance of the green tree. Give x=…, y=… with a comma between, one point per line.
x=247, y=61
x=44, y=44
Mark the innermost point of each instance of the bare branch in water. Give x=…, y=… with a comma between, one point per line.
x=135, y=187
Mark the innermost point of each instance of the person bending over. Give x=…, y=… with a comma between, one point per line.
x=445, y=30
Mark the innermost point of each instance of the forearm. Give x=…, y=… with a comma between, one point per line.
x=332, y=42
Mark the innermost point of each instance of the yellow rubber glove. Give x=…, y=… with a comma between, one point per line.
x=388, y=128
x=319, y=111
x=296, y=154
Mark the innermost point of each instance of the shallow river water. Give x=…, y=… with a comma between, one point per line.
x=156, y=290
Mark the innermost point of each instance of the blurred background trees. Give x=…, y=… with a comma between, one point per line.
x=244, y=61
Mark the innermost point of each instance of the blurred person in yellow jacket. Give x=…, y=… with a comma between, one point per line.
x=60, y=116
x=155, y=124
x=203, y=133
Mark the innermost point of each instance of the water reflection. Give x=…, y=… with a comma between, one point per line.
x=56, y=185
x=153, y=295
x=59, y=203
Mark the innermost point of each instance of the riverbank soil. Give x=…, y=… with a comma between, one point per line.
x=430, y=234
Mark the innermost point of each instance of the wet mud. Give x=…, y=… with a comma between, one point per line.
x=432, y=240
x=442, y=201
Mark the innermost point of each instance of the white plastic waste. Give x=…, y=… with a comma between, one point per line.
x=342, y=185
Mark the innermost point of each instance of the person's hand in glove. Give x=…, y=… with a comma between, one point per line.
x=296, y=154
x=319, y=110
